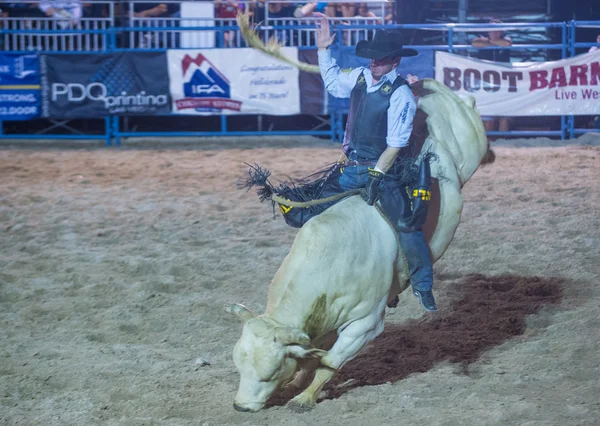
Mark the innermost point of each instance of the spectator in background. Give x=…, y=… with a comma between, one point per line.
x=365, y=17
x=23, y=10
x=341, y=10
x=594, y=48
x=494, y=38
x=309, y=10
x=364, y=12
x=276, y=11
x=95, y=10
x=67, y=13
x=225, y=12
x=145, y=15
x=390, y=13
x=152, y=10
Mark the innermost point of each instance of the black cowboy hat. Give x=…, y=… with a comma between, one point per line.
x=384, y=44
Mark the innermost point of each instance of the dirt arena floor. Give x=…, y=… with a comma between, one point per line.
x=115, y=264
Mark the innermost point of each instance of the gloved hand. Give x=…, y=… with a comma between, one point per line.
x=343, y=158
x=371, y=193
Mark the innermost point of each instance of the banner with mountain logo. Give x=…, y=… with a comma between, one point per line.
x=233, y=81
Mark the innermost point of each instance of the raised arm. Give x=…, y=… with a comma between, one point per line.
x=338, y=83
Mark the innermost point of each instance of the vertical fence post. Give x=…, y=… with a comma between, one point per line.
x=565, y=49
x=110, y=47
x=571, y=119
x=115, y=129
x=223, y=124
x=107, y=130
x=112, y=39
x=332, y=124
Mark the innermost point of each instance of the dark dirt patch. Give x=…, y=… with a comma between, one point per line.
x=492, y=310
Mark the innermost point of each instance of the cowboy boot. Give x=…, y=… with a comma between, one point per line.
x=421, y=270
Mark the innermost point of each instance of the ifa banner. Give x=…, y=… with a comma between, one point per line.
x=565, y=87
x=131, y=83
x=19, y=87
x=233, y=81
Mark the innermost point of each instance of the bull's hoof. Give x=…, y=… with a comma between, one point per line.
x=300, y=406
x=394, y=302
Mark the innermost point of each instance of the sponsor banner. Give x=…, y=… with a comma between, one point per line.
x=19, y=87
x=233, y=81
x=565, y=87
x=131, y=83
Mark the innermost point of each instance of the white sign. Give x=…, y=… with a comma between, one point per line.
x=233, y=81
x=565, y=87
x=204, y=14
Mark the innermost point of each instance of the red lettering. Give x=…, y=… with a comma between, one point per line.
x=512, y=77
x=590, y=94
x=452, y=78
x=595, y=73
x=559, y=78
x=538, y=80
x=578, y=75
x=472, y=80
x=491, y=81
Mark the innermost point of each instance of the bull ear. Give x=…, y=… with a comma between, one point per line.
x=291, y=336
x=241, y=311
x=305, y=352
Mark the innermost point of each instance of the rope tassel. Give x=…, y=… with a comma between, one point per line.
x=273, y=46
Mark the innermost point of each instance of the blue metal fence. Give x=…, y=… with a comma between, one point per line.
x=106, y=36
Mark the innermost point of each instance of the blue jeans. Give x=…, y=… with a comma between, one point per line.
x=413, y=244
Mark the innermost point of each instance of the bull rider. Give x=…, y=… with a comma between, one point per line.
x=380, y=121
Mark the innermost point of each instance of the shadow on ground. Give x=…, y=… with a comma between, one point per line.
x=491, y=311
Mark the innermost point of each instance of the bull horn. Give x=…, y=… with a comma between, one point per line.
x=241, y=311
x=291, y=336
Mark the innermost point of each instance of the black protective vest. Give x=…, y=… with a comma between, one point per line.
x=366, y=127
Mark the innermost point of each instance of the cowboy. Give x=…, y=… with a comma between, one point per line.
x=382, y=108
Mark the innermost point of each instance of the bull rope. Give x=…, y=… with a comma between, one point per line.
x=303, y=204
x=273, y=46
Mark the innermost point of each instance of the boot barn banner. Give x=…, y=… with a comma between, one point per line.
x=233, y=81
x=565, y=87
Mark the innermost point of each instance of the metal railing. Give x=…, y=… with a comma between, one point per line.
x=123, y=27
x=125, y=31
x=59, y=30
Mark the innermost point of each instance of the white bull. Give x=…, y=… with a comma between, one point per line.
x=345, y=265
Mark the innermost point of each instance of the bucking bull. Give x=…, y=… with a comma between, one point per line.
x=327, y=300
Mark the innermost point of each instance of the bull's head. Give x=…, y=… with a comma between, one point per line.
x=266, y=357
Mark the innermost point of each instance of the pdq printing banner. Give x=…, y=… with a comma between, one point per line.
x=233, y=81
x=565, y=87
x=19, y=87
x=131, y=83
